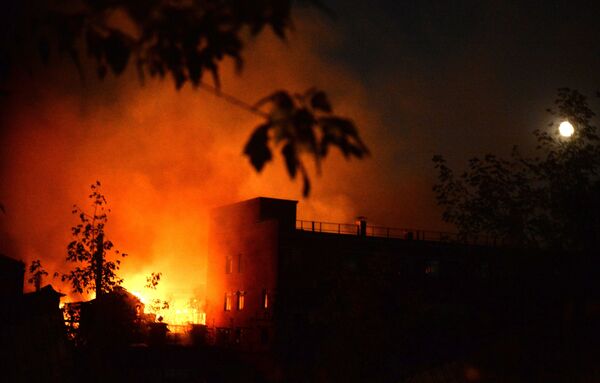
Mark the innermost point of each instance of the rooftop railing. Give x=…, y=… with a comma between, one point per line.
x=395, y=232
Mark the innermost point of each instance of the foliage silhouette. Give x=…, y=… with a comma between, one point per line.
x=550, y=200
x=84, y=250
x=153, y=280
x=156, y=304
x=183, y=40
x=37, y=272
x=302, y=123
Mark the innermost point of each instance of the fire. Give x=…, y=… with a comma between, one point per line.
x=170, y=305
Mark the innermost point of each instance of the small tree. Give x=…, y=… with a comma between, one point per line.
x=37, y=273
x=90, y=248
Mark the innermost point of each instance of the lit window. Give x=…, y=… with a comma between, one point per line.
x=265, y=296
x=227, y=302
x=228, y=264
x=241, y=300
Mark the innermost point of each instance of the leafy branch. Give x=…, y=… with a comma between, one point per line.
x=156, y=304
x=302, y=124
x=183, y=40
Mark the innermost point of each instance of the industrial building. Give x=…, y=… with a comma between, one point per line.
x=312, y=293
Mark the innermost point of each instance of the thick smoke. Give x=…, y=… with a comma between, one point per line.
x=166, y=157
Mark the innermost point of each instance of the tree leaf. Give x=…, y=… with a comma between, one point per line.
x=257, y=148
x=320, y=102
x=291, y=158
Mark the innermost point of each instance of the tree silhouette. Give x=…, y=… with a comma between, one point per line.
x=156, y=304
x=37, y=272
x=90, y=248
x=550, y=200
x=183, y=40
x=302, y=123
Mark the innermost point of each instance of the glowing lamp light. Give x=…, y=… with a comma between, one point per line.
x=566, y=129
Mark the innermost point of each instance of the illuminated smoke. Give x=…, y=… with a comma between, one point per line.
x=166, y=157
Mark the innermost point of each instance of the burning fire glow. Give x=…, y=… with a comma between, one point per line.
x=165, y=158
x=178, y=311
x=178, y=307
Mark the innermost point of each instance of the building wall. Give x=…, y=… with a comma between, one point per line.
x=242, y=265
x=362, y=308
x=12, y=274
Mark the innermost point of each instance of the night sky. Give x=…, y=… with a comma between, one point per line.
x=456, y=78
x=460, y=77
x=463, y=78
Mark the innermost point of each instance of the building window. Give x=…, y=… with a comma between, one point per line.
x=228, y=264
x=265, y=299
x=432, y=268
x=484, y=270
x=264, y=335
x=240, y=263
x=223, y=336
x=227, y=302
x=238, y=335
x=241, y=300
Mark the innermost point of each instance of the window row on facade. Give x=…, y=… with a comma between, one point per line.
x=239, y=297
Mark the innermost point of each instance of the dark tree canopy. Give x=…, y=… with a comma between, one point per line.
x=184, y=41
x=549, y=200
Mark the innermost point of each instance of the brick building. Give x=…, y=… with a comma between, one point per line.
x=359, y=299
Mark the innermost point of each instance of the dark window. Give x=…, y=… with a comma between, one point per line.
x=264, y=335
x=485, y=270
x=228, y=264
x=239, y=332
x=223, y=335
x=240, y=263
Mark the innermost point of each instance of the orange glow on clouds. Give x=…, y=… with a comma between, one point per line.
x=165, y=158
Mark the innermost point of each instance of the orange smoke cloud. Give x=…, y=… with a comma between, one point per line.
x=166, y=157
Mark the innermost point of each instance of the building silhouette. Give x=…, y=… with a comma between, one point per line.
x=355, y=302
x=33, y=344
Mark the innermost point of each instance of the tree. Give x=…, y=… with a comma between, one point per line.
x=90, y=249
x=156, y=304
x=549, y=200
x=37, y=272
x=184, y=40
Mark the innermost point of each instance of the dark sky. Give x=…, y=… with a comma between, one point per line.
x=462, y=77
